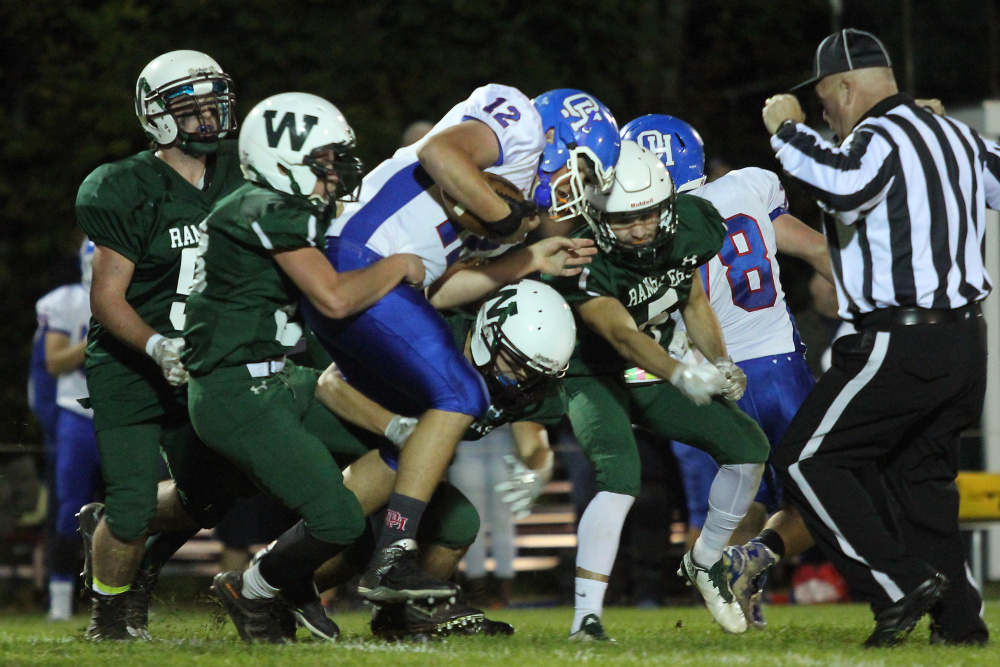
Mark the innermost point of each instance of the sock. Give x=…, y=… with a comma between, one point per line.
x=589, y=599
x=733, y=489
x=598, y=535
x=295, y=556
x=771, y=539
x=60, y=598
x=106, y=590
x=401, y=519
x=255, y=587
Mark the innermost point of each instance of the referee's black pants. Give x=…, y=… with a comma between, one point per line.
x=871, y=458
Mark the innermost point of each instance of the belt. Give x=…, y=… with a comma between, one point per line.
x=264, y=369
x=909, y=316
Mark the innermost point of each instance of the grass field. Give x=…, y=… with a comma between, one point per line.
x=819, y=635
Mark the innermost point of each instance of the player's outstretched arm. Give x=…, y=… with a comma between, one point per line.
x=340, y=295
x=472, y=281
x=455, y=158
x=798, y=239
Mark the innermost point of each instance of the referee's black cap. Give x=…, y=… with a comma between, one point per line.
x=847, y=50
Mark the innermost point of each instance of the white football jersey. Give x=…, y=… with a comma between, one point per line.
x=396, y=214
x=742, y=280
x=66, y=309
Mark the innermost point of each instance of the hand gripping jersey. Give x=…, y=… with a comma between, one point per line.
x=742, y=280
x=66, y=310
x=396, y=212
x=649, y=294
x=141, y=208
x=243, y=308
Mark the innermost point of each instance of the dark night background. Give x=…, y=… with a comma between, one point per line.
x=68, y=72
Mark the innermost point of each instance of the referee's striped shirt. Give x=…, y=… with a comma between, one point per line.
x=908, y=192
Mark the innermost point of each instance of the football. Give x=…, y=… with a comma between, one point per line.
x=468, y=219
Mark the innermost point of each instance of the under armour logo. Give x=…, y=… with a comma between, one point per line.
x=395, y=520
x=658, y=143
x=262, y=387
x=691, y=260
x=580, y=106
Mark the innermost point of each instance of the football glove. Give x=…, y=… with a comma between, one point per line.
x=166, y=352
x=679, y=345
x=519, y=210
x=698, y=382
x=736, y=379
x=399, y=429
x=522, y=488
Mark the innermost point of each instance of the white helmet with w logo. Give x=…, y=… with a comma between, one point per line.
x=290, y=141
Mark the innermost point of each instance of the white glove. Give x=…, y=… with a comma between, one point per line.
x=523, y=486
x=166, y=352
x=679, y=345
x=736, y=379
x=698, y=382
x=399, y=429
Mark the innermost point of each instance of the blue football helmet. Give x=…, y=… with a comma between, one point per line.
x=585, y=139
x=86, y=263
x=677, y=144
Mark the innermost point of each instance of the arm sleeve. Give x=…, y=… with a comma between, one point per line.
x=512, y=117
x=287, y=229
x=846, y=179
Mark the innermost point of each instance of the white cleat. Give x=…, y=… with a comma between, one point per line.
x=713, y=585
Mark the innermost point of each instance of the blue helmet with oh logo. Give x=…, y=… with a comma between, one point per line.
x=584, y=139
x=677, y=144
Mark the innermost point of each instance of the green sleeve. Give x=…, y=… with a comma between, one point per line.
x=700, y=229
x=107, y=219
x=287, y=227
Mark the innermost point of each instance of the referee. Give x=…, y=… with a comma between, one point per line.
x=871, y=458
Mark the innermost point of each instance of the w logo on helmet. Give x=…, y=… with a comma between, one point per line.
x=297, y=135
x=582, y=107
x=659, y=144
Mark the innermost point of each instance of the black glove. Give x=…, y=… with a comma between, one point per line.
x=519, y=210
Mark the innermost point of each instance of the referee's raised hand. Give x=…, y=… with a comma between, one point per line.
x=780, y=108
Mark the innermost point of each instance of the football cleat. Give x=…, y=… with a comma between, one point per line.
x=591, y=630
x=108, y=619
x=139, y=598
x=88, y=517
x=746, y=567
x=263, y=620
x=394, y=576
x=894, y=623
x=714, y=588
x=312, y=616
x=421, y=620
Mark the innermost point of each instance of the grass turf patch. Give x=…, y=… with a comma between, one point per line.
x=819, y=635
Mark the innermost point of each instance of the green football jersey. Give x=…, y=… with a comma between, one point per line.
x=141, y=208
x=243, y=308
x=650, y=294
x=549, y=410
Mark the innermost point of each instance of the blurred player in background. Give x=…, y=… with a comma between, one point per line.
x=142, y=214
x=65, y=314
x=744, y=288
x=402, y=341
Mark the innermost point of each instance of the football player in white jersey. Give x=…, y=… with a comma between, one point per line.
x=551, y=148
x=743, y=285
x=64, y=316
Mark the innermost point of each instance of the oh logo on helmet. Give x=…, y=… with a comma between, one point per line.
x=659, y=144
x=581, y=107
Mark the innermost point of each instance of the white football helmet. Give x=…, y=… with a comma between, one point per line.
x=524, y=334
x=290, y=140
x=641, y=185
x=87, y=263
x=180, y=84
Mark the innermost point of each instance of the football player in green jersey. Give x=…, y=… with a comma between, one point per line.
x=259, y=253
x=652, y=241
x=142, y=214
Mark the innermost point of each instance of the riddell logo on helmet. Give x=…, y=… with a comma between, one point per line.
x=640, y=204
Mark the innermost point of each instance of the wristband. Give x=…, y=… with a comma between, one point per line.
x=151, y=343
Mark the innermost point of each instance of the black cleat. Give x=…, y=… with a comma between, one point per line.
x=312, y=616
x=394, y=576
x=108, y=619
x=88, y=517
x=139, y=598
x=256, y=620
x=940, y=637
x=591, y=630
x=894, y=623
x=419, y=619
